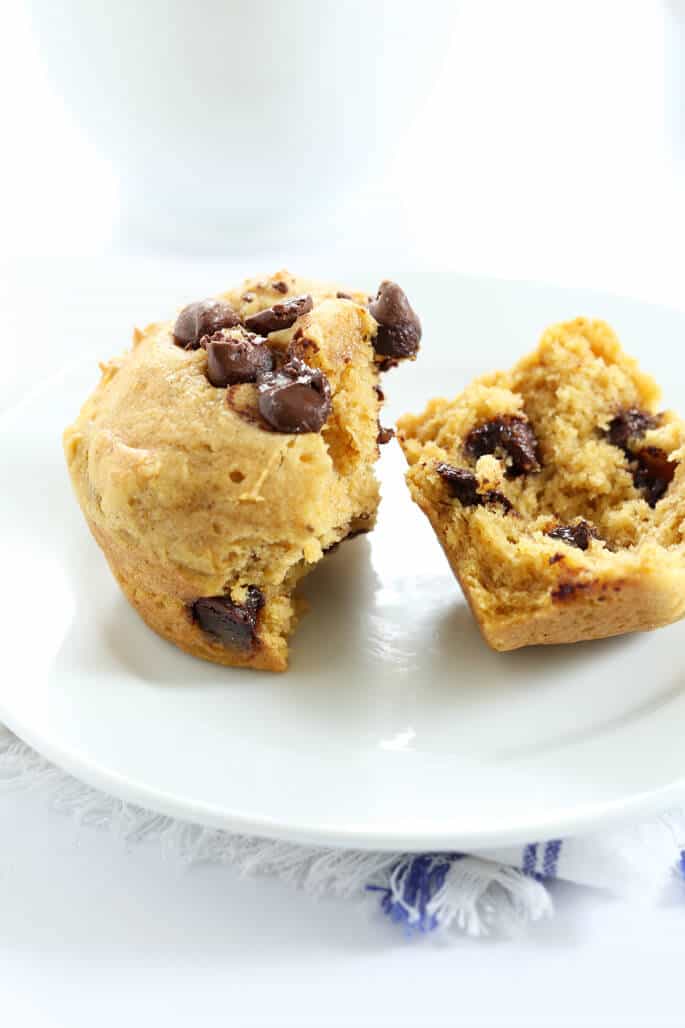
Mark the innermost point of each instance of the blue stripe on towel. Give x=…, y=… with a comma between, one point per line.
x=541, y=860
x=416, y=880
x=551, y=860
x=530, y=859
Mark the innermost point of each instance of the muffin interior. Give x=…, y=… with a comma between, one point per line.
x=577, y=474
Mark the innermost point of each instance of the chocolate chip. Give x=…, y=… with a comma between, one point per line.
x=399, y=328
x=379, y=393
x=384, y=435
x=248, y=297
x=510, y=433
x=294, y=398
x=280, y=287
x=463, y=486
x=233, y=624
x=628, y=424
x=652, y=470
x=654, y=473
x=567, y=591
x=202, y=318
x=234, y=356
x=495, y=496
x=343, y=296
x=280, y=316
x=579, y=534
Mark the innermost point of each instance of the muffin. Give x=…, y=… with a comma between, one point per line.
x=557, y=491
x=219, y=459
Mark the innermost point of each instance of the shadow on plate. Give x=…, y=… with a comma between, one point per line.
x=357, y=627
x=393, y=660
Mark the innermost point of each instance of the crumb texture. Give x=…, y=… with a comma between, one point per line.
x=590, y=540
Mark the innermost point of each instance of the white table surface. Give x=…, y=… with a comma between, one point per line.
x=95, y=933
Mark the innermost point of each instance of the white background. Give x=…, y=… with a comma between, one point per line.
x=549, y=147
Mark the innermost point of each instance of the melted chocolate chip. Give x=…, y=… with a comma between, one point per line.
x=280, y=287
x=654, y=473
x=280, y=316
x=579, y=534
x=567, y=591
x=384, y=434
x=399, y=328
x=233, y=624
x=294, y=398
x=463, y=486
x=342, y=296
x=202, y=318
x=495, y=496
x=511, y=433
x=652, y=470
x=234, y=356
x=630, y=424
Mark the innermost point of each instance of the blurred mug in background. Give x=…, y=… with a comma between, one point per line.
x=231, y=124
x=675, y=74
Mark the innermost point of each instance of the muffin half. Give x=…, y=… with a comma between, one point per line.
x=557, y=491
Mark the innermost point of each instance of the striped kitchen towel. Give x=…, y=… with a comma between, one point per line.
x=476, y=893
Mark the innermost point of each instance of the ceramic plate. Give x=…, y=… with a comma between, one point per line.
x=396, y=727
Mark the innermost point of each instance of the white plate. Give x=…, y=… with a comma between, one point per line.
x=396, y=727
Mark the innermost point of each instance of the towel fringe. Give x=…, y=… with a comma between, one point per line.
x=473, y=895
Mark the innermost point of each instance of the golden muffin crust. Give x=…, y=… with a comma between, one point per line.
x=557, y=491
x=192, y=494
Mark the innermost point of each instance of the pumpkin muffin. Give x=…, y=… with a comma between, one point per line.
x=220, y=458
x=557, y=491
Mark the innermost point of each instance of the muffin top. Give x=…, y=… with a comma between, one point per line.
x=253, y=414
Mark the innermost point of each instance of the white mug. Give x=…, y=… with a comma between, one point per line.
x=230, y=122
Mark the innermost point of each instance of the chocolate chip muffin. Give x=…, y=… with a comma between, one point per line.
x=220, y=458
x=557, y=491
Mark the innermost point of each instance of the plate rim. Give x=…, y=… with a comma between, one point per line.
x=587, y=817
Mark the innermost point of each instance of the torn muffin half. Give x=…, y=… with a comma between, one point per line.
x=557, y=491
x=220, y=458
